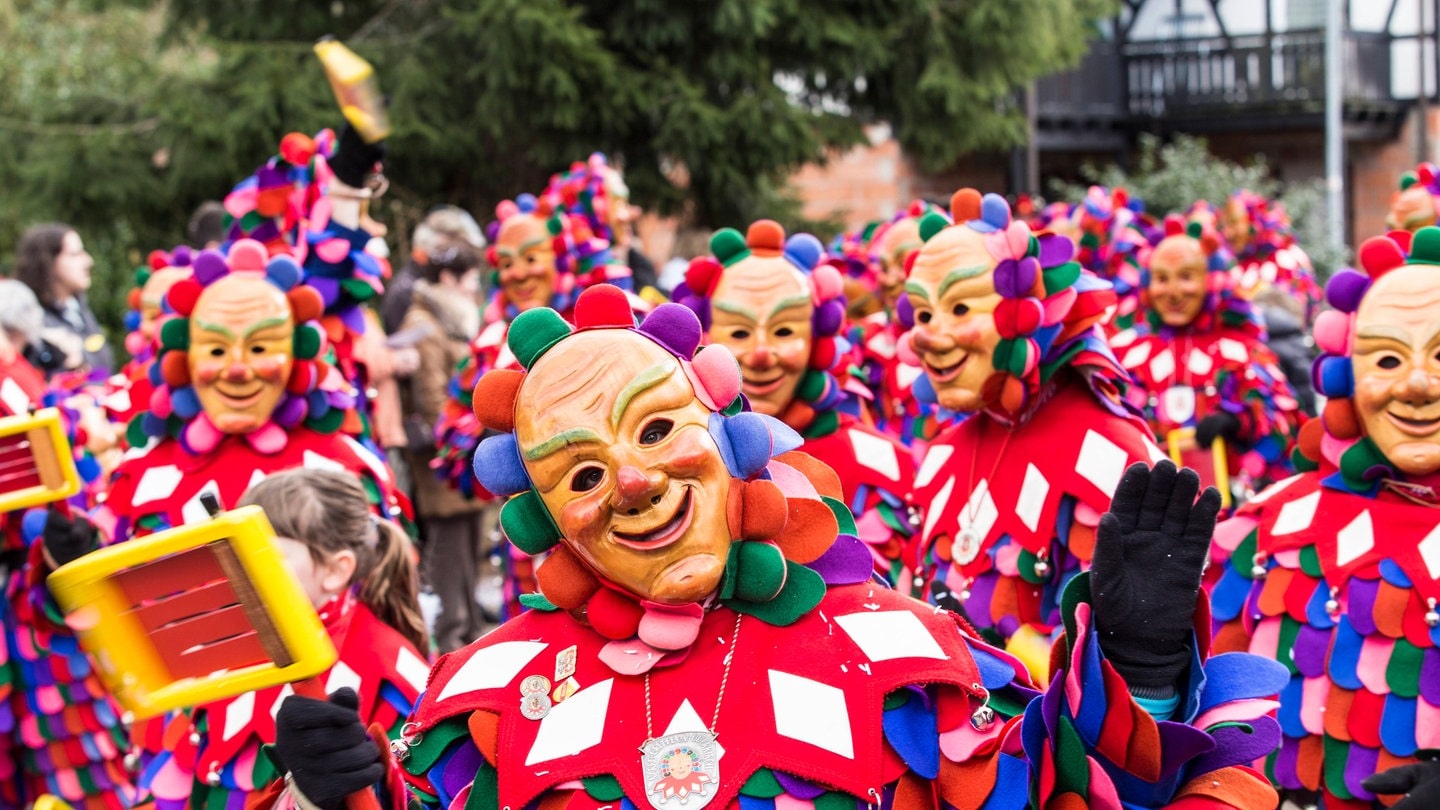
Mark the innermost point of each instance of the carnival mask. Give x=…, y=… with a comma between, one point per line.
x=951, y=290
x=241, y=351
x=1396, y=359
x=761, y=311
x=1235, y=226
x=1412, y=209
x=525, y=260
x=152, y=295
x=617, y=446
x=1178, y=278
x=896, y=244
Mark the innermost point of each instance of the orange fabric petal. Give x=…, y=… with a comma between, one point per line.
x=1067, y=801
x=1272, y=594
x=809, y=531
x=1082, y=541
x=564, y=580
x=1310, y=760
x=914, y=793
x=1232, y=638
x=1337, y=708
x=967, y=784
x=763, y=510
x=826, y=482
x=1390, y=606
x=1235, y=786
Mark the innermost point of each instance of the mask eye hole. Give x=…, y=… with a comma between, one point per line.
x=923, y=316
x=587, y=479
x=656, y=431
x=1389, y=362
x=960, y=310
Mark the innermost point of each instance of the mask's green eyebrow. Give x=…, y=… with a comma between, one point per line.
x=735, y=309
x=649, y=378
x=560, y=440
x=216, y=328
x=961, y=274
x=917, y=289
x=792, y=301
x=265, y=324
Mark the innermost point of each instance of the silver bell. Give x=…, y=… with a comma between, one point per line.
x=194, y=738
x=982, y=718
x=1432, y=618
x=213, y=777
x=132, y=761
x=400, y=750
x=1041, y=567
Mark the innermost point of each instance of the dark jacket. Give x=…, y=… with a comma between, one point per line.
x=1288, y=341
x=77, y=333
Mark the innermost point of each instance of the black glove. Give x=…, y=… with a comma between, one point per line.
x=1218, y=425
x=354, y=158
x=68, y=538
x=1150, y=551
x=325, y=747
x=1420, y=782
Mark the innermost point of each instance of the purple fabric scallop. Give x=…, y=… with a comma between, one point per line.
x=797, y=787
x=1181, y=743
x=181, y=256
x=1346, y=288
x=1362, y=594
x=1311, y=646
x=328, y=288
x=904, y=312
x=830, y=317
x=981, y=592
x=354, y=319
x=1286, y=761
x=291, y=411
x=1236, y=746
x=1430, y=676
x=1055, y=250
x=675, y=327
x=210, y=266
x=846, y=562
x=1359, y=765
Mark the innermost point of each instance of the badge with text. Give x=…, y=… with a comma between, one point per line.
x=681, y=770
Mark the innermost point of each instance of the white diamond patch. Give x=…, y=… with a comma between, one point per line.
x=1199, y=362
x=1101, y=462
x=410, y=667
x=194, y=511
x=1136, y=356
x=341, y=676
x=1297, y=514
x=574, y=725
x=1270, y=491
x=1355, y=539
x=935, y=458
x=156, y=483
x=907, y=375
x=890, y=634
x=315, y=461
x=876, y=453
x=980, y=515
x=811, y=712
x=1032, y=497
x=1233, y=350
x=1430, y=552
x=1162, y=366
x=13, y=397
x=687, y=719
x=238, y=714
x=492, y=667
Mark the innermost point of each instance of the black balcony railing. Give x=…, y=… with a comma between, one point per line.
x=1204, y=78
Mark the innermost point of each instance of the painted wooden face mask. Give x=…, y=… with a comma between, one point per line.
x=761, y=311
x=1178, y=280
x=1396, y=359
x=618, y=448
x=951, y=291
x=241, y=351
x=525, y=261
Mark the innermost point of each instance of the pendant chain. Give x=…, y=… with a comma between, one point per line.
x=972, y=506
x=719, y=699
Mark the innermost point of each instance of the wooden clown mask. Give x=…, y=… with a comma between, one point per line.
x=1412, y=209
x=894, y=246
x=618, y=448
x=1396, y=364
x=241, y=351
x=524, y=257
x=1178, y=279
x=951, y=291
x=761, y=311
x=152, y=294
x=1235, y=225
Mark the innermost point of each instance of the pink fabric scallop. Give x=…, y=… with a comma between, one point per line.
x=1073, y=690
x=333, y=251
x=240, y=202
x=1266, y=638
x=248, y=255
x=961, y=742
x=714, y=367
x=1236, y=711
x=160, y=404
x=1287, y=559
x=791, y=481
x=268, y=440
x=1087, y=515
x=172, y=782
x=1332, y=332
x=1332, y=448
x=787, y=802
x=905, y=350
x=202, y=436
x=1007, y=560
x=827, y=283
x=134, y=343
x=1374, y=658
x=320, y=214
x=1427, y=724
x=49, y=700
x=1101, y=793
x=1314, y=694
x=1253, y=464
x=245, y=768
x=670, y=627
x=1058, y=305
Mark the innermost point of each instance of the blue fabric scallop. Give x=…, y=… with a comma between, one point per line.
x=782, y=435
x=1345, y=656
x=751, y=443
x=498, y=465
x=1315, y=612
x=804, y=251
x=1392, y=573
x=911, y=731
x=1291, y=701
x=1229, y=594
x=283, y=272
x=1240, y=676
x=923, y=390
x=1397, y=725
x=32, y=526
x=185, y=402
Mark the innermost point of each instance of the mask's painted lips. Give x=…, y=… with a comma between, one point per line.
x=1412, y=426
x=663, y=535
x=946, y=373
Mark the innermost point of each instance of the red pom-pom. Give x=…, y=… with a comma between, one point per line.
x=494, y=398
x=564, y=580
x=297, y=148
x=822, y=353
x=1174, y=225
x=765, y=234
x=965, y=205
x=1403, y=239
x=612, y=615
x=158, y=259
x=1341, y=420
x=1312, y=434
x=132, y=299
x=1379, y=255
x=1018, y=316
x=305, y=304
x=175, y=369
x=703, y=274
x=182, y=296
x=303, y=379
x=603, y=305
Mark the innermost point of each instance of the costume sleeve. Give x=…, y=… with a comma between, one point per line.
x=1086, y=742
x=458, y=431
x=1269, y=413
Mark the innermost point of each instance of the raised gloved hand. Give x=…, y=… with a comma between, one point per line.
x=1218, y=425
x=1420, y=782
x=354, y=158
x=68, y=538
x=325, y=747
x=1150, y=551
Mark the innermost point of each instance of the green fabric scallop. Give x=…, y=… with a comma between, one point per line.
x=1407, y=180
x=729, y=246
x=135, y=432
x=1011, y=354
x=762, y=785
x=1302, y=462
x=931, y=224
x=175, y=335
x=1072, y=771
x=251, y=221
x=330, y=422
x=812, y=385
x=1244, y=553
x=1360, y=457
x=537, y=601
x=1060, y=278
x=527, y=523
x=358, y=289
x=1403, y=671
x=603, y=788
x=1025, y=564
x=803, y=590
x=1425, y=248
x=485, y=790
x=533, y=332
x=307, y=342
x=843, y=519
x=754, y=572
x=1076, y=591
x=142, y=275
x=824, y=423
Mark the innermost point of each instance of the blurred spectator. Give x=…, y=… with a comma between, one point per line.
x=21, y=318
x=443, y=318
x=443, y=227
x=52, y=262
x=206, y=228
